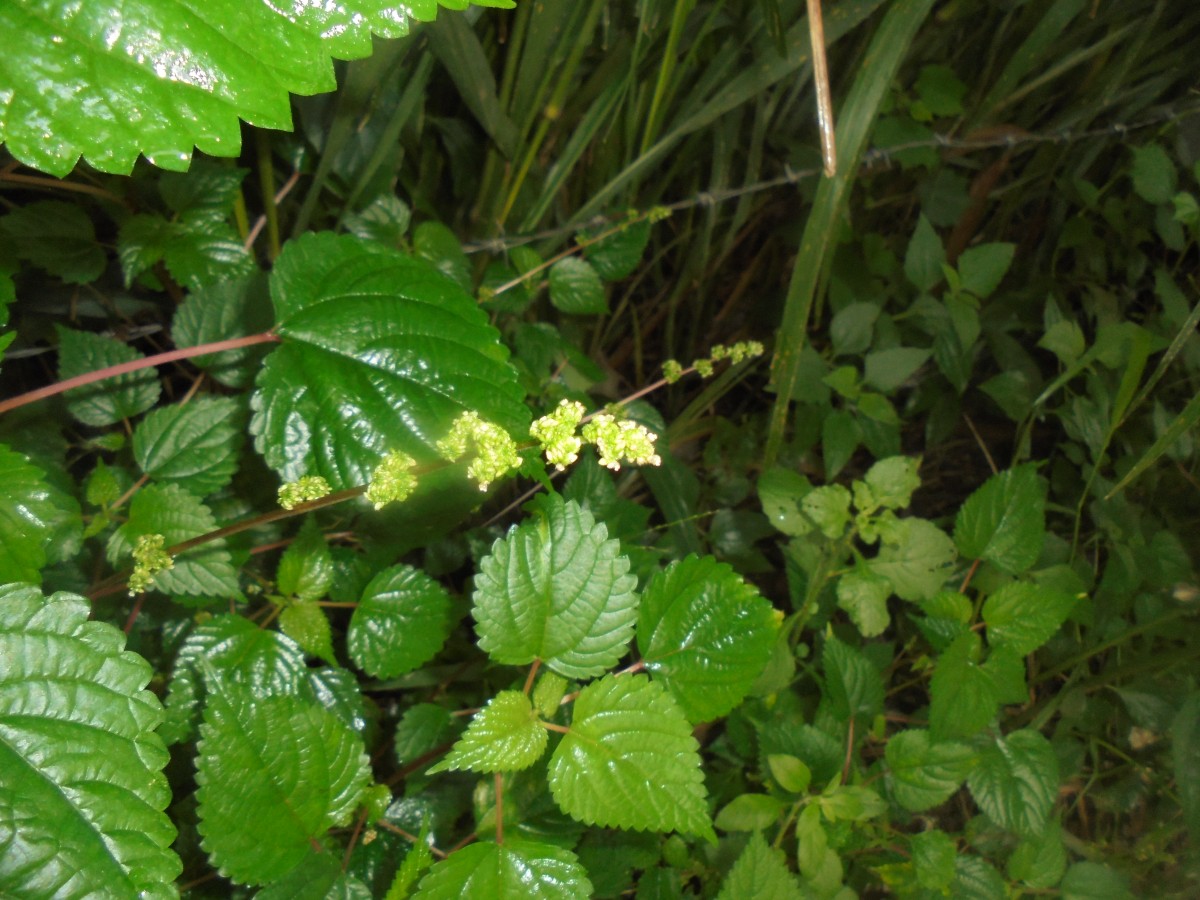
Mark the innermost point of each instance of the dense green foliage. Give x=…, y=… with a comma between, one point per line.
x=353, y=546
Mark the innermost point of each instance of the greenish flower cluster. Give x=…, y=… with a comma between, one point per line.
x=620, y=440
x=392, y=480
x=555, y=433
x=309, y=487
x=495, y=452
x=149, y=559
x=672, y=371
x=735, y=353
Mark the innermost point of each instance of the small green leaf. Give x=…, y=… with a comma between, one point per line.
x=27, y=516
x=687, y=615
x=886, y=370
x=851, y=803
x=109, y=401
x=1041, y=860
x=82, y=792
x=853, y=327
x=760, y=872
x=940, y=91
x=306, y=567
x=556, y=589
x=976, y=879
x=1016, y=781
x=853, y=686
x=1004, y=521
x=933, y=854
x=400, y=624
x=829, y=509
x=523, y=869
x=924, y=774
x=306, y=624
x=963, y=698
x=421, y=729
x=228, y=309
x=982, y=268
x=630, y=761
x=789, y=772
x=56, y=236
x=197, y=247
x=616, y=256
x=780, y=492
x=1153, y=173
x=194, y=445
x=864, y=596
x=840, y=437
x=384, y=220
x=576, y=288
x=504, y=736
x=915, y=557
x=274, y=774
x=889, y=484
x=750, y=812
x=548, y=694
x=416, y=861
x=1022, y=616
x=924, y=258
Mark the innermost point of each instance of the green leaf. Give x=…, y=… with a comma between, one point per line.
x=687, y=616
x=384, y=220
x=306, y=624
x=82, y=792
x=422, y=728
x=197, y=248
x=416, y=861
x=1185, y=754
x=760, y=872
x=1004, y=521
x=853, y=686
x=982, y=268
x=153, y=80
x=194, y=445
x=228, y=309
x=401, y=622
x=889, y=484
x=1041, y=860
x=113, y=399
x=924, y=258
x=204, y=573
x=780, y=491
x=274, y=774
x=576, y=288
x=504, y=736
x=840, y=437
x=556, y=589
x=1016, y=781
x=1094, y=881
x=829, y=509
x=887, y=369
x=630, y=761
x=789, y=772
x=750, y=812
x=379, y=353
x=56, y=236
x=306, y=567
x=548, y=694
x=963, y=698
x=616, y=256
x=864, y=596
x=977, y=880
x=1153, y=173
x=27, y=518
x=853, y=327
x=940, y=91
x=1022, y=616
x=516, y=869
x=915, y=557
x=439, y=246
x=933, y=854
x=924, y=774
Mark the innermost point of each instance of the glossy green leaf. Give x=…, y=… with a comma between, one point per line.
x=111, y=400
x=616, y=256
x=963, y=697
x=630, y=761
x=306, y=624
x=306, y=567
x=401, y=622
x=556, y=589
x=515, y=869
x=274, y=774
x=864, y=596
x=416, y=862
x=194, y=445
x=750, y=812
x=1004, y=521
x=760, y=872
x=686, y=617
x=982, y=268
x=229, y=309
x=144, y=78
x=196, y=248
x=1016, y=781
x=27, y=516
x=82, y=791
x=924, y=258
x=915, y=556
x=422, y=728
x=55, y=236
x=380, y=353
x=204, y=574
x=1022, y=616
x=504, y=736
x=924, y=774
x=576, y=288
x=780, y=492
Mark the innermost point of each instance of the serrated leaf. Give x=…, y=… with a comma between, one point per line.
x=194, y=445
x=853, y=686
x=504, y=736
x=416, y=861
x=523, y=869
x=27, y=518
x=421, y=729
x=889, y=484
x=56, y=236
x=401, y=622
x=228, y=309
x=1039, y=861
x=630, y=761
x=274, y=774
x=1004, y=521
x=864, y=596
x=976, y=879
x=576, y=288
x=379, y=353
x=760, y=872
x=306, y=568
x=113, y=399
x=924, y=258
x=749, y=812
x=548, y=694
x=963, y=698
x=687, y=616
x=202, y=574
x=197, y=248
x=384, y=220
x=306, y=624
x=924, y=774
x=1016, y=781
x=556, y=589
x=1021, y=616
x=829, y=509
x=617, y=255
x=915, y=557
x=80, y=763
x=982, y=268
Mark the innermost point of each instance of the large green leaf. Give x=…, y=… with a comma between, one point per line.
x=379, y=352
x=1016, y=781
x=630, y=761
x=924, y=774
x=515, y=870
x=274, y=774
x=401, y=622
x=82, y=792
x=687, y=616
x=110, y=79
x=27, y=517
x=1021, y=617
x=1004, y=521
x=915, y=556
x=504, y=736
x=760, y=872
x=194, y=445
x=109, y=401
x=556, y=589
